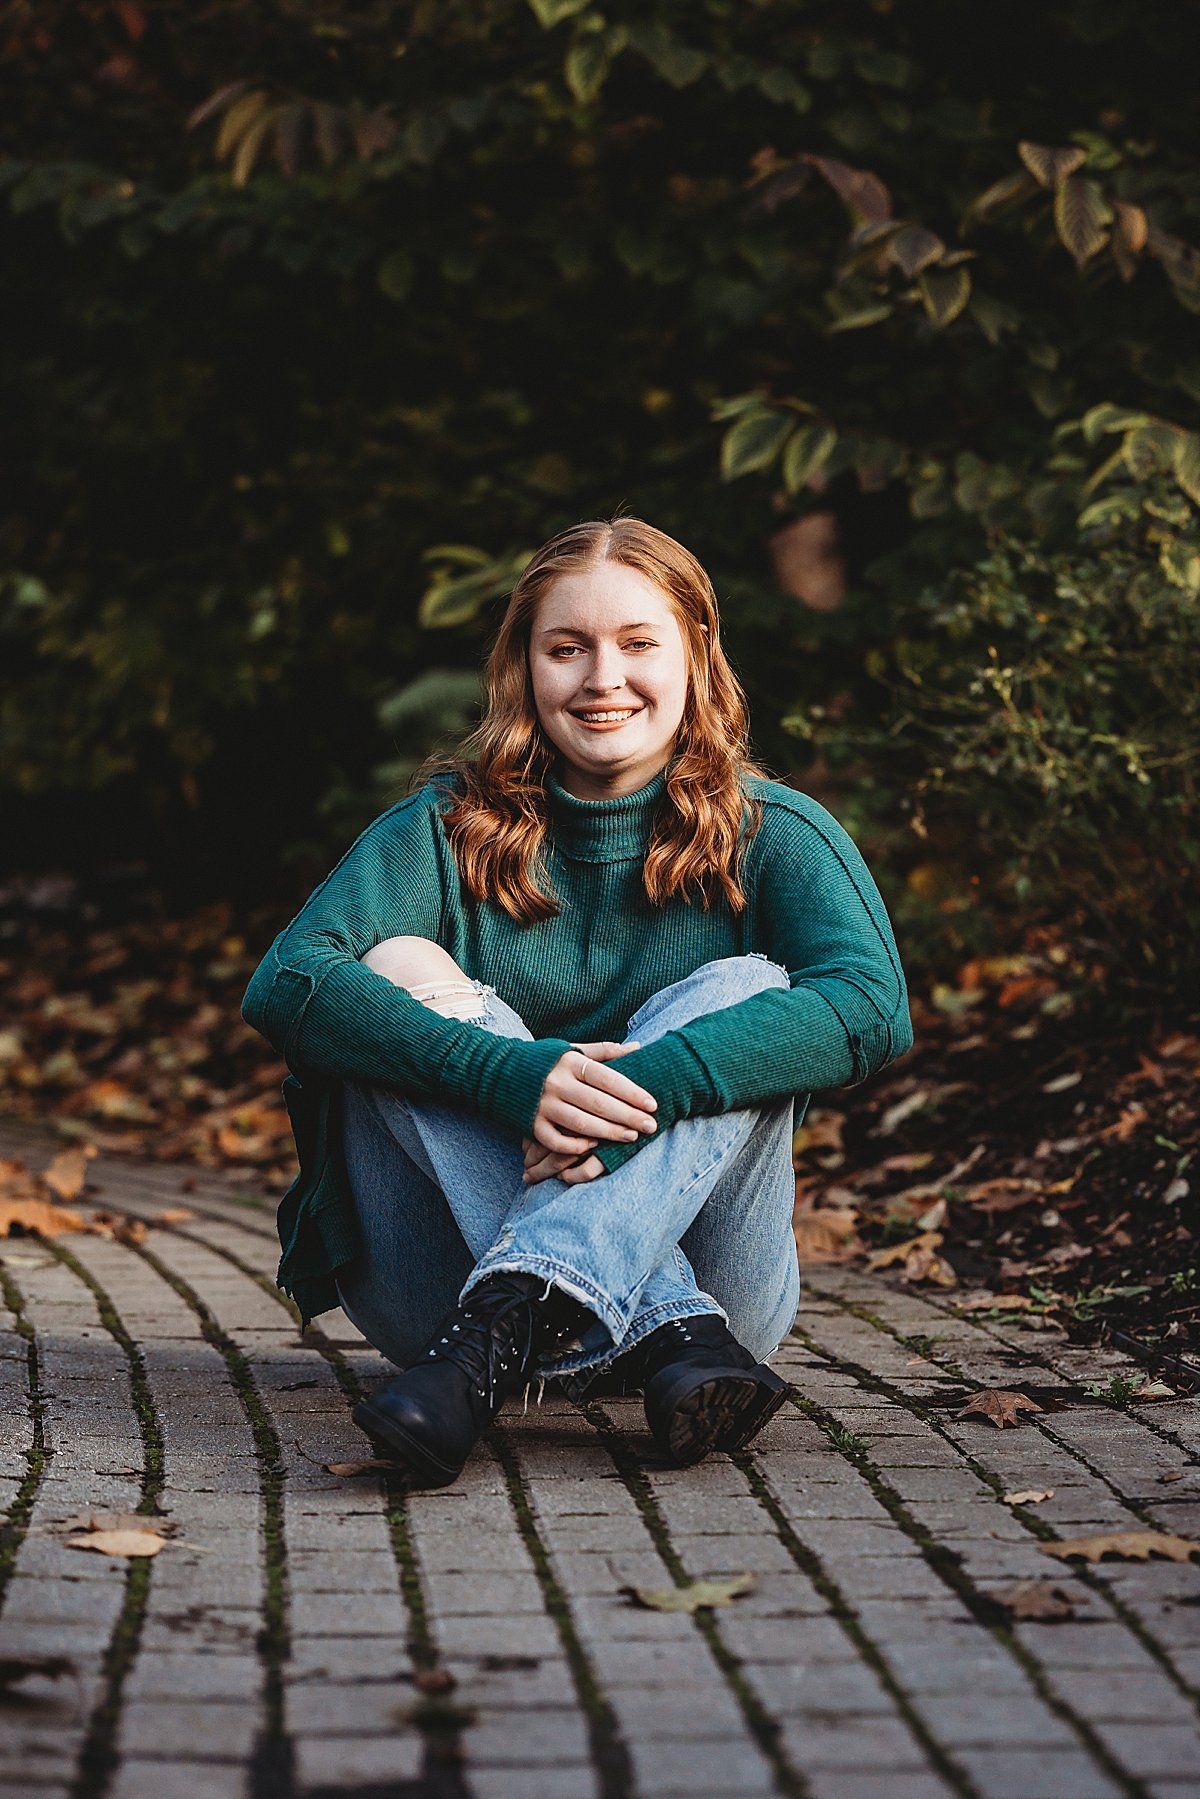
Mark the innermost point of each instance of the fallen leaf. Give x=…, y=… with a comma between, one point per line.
x=935, y=1217
x=368, y=1466
x=175, y=1215
x=162, y=1527
x=694, y=1597
x=14, y=1668
x=1028, y=1496
x=120, y=1542
x=998, y=1404
x=1154, y=1389
x=1041, y=1600
x=1128, y=1545
x=1001, y=1195
x=900, y=1252
x=1171, y=1474
x=828, y=1235
x=66, y=1176
x=1124, y=1126
x=1063, y=1082
x=38, y=1217
x=822, y=1129
x=924, y=1265
x=120, y=1227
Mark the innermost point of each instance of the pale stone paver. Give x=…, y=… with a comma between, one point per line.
x=306, y=1634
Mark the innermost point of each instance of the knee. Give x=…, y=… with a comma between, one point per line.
x=407, y=961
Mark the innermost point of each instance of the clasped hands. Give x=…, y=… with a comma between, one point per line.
x=585, y=1102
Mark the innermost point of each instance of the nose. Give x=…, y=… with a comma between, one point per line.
x=605, y=673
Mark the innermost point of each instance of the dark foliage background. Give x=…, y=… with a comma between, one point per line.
x=321, y=316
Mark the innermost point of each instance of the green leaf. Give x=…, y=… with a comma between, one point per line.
x=753, y=442
x=1150, y=450
x=806, y=453
x=913, y=248
x=781, y=85
x=859, y=317
x=1048, y=166
x=694, y=1596
x=993, y=316
x=587, y=63
x=1006, y=192
x=861, y=191
x=677, y=63
x=1100, y=420
x=944, y=293
x=550, y=13
x=1180, y=563
x=1187, y=465
x=467, y=555
x=395, y=276
x=1082, y=216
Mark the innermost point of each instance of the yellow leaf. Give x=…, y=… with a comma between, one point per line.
x=1127, y=1545
x=119, y=1542
x=696, y=1596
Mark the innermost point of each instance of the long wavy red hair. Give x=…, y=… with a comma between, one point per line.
x=497, y=825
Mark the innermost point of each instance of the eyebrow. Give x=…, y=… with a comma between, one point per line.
x=570, y=631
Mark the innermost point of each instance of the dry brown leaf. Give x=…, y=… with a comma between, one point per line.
x=1041, y=1600
x=696, y=1596
x=822, y=1129
x=1172, y=1474
x=367, y=1466
x=828, y=1235
x=1128, y=1545
x=1127, y=1123
x=162, y=1527
x=109, y=1098
x=120, y=1542
x=39, y=1216
x=120, y=1226
x=999, y=1405
x=924, y=1265
x=1004, y=1194
x=14, y=1668
x=1028, y=1496
x=66, y=1176
x=174, y=1215
x=900, y=1252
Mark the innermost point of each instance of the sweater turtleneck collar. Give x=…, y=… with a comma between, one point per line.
x=615, y=830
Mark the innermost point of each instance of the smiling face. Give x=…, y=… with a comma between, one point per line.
x=610, y=678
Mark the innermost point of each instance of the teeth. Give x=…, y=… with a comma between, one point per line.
x=605, y=718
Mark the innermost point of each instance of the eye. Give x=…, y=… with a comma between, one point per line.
x=641, y=643
x=563, y=650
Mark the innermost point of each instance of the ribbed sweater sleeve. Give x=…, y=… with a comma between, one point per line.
x=329, y=1015
x=816, y=912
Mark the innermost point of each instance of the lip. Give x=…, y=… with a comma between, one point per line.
x=608, y=724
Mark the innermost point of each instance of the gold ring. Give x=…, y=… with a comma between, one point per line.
x=582, y=1075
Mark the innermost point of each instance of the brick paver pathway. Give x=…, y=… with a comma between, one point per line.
x=309, y=1634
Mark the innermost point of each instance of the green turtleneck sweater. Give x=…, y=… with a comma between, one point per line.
x=578, y=977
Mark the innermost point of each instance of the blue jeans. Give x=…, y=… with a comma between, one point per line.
x=699, y=1220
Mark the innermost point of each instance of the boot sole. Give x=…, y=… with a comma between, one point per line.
x=725, y=1412
x=424, y=1468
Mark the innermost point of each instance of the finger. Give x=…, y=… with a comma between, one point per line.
x=604, y=1052
x=583, y=1171
x=622, y=1129
x=552, y=1138
x=593, y=1102
x=612, y=1081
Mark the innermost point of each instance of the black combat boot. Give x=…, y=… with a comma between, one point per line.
x=432, y=1415
x=702, y=1390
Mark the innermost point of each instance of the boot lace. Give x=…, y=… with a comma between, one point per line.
x=492, y=1337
